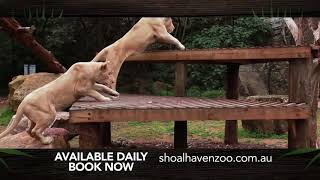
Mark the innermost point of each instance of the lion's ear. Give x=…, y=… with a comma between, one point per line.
x=166, y=19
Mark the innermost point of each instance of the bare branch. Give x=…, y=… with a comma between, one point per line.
x=293, y=29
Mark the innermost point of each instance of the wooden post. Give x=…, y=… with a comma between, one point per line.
x=180, y=127
x=89, y=136
x=302, y=89
x=105, y=128
x=105, y=133
x=232, y=92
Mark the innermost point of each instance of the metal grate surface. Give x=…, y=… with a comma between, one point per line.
x=166, y=102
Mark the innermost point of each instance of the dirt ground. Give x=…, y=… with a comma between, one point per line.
x=194, y=143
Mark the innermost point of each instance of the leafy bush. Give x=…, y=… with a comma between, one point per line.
x=244, y=32
x=259, y=135
x=195, y=91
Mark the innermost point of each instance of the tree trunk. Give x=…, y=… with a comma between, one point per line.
x=305, y=32
x=24, y=36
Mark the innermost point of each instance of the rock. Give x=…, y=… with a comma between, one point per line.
x=22, y=140
x=61, y=130
x=270, y=126
x=251, y=82
x=22, y=85
x=60, y=122
x=267, y=98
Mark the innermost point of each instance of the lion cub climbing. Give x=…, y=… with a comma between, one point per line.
x=41, y=105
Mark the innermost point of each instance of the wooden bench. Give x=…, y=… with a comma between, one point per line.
x=300, y=111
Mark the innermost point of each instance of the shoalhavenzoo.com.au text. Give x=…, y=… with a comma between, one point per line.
x=213, y=159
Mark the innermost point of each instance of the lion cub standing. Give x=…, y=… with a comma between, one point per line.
x=41, y=105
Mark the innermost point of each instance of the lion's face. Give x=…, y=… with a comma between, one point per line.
x=168, y=24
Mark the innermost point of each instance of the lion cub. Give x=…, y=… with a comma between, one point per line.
x=145, y=32
x=41, y=105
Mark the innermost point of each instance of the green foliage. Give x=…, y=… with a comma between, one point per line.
x=206, y=77
x=163, y=72
x=152, y=129
x=259, y=135
x=163, y=92
x=195, y=91
x=244, y=32
x=5, y=115
x=135, y=123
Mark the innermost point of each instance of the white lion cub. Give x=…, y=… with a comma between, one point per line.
x=41, y=105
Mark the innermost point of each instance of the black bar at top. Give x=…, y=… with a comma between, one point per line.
x=268, y=8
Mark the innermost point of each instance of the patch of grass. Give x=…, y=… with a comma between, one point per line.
x=258, y=135
x=135, y=123
x=202, y=129
x=146, y=130
x=156, y=126
x=206, y=129
x=220, y=134
x=162, y=127
x=6, y=114
x=195, y=129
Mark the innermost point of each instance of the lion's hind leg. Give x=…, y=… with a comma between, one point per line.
x=42, y=121
x=30, y=127
x=38, y=130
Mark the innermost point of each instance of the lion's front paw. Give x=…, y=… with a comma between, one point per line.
x=182, y=47
x=114, y=97
x=104, y=99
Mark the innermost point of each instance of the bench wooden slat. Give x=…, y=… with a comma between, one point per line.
x=226, y=55
x=153, y=108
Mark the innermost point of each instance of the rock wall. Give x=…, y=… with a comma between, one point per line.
x=269, y=126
